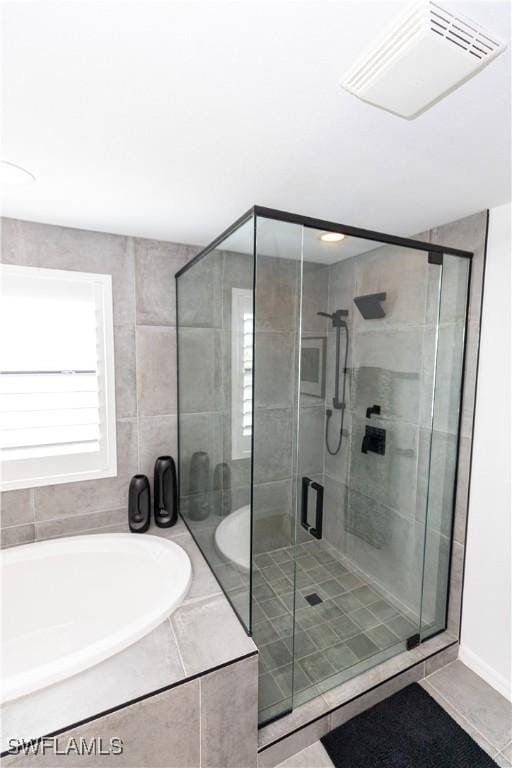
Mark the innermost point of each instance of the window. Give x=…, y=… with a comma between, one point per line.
x=241, y=372
x=57, y=400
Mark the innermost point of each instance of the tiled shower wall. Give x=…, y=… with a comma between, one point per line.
x=398, y=495
x=377, y=505
x=205, y=395
x=145, y=367
x=393, y=488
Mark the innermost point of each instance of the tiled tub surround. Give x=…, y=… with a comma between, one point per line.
x=200, y=661
x=145, y=368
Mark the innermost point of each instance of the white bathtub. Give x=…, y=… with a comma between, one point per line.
x=70, y=603
x=233, y=537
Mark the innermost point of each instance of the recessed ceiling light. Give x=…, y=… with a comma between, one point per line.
x=332, y=237
x=15, y=175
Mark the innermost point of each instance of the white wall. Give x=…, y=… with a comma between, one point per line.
x=486, y=616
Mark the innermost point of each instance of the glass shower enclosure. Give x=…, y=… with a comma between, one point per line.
x=319, y=384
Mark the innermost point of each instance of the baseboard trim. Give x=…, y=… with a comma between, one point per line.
x=486, y=672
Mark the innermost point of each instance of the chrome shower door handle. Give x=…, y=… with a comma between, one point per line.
x=315, y=530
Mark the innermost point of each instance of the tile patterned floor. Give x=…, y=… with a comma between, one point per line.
x=480, y=710
x=352, y=622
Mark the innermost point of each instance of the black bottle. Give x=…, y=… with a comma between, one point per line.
x=165, y=505
x=139, y=507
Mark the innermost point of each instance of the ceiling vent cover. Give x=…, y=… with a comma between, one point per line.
x=426, y=53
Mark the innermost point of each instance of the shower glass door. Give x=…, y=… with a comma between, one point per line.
x=369, y=317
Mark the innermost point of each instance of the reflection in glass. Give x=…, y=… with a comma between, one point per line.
x=319, y=399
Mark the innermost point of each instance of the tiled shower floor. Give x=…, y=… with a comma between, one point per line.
x=352, y=623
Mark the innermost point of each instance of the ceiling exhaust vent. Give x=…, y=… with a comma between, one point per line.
x=426, y=53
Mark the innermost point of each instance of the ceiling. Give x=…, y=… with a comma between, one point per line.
x=169, y=118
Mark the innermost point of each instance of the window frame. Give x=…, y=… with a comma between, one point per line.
x=241, y=445
x=66, y=467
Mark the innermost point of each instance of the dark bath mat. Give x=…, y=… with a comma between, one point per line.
x=408, y=730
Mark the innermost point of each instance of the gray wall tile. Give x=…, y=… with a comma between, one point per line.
x=156, y=264
x=391, y=478
x=448, y=378
x=201, y=365
x=17, y=507
x=163, y=730
x=229, y=716
x=125, y=371
x=157, y=437
x=55, y=501
x=71, y=526
x=269, y=497
x=462, y=490
x=276, y=371
x=296, y=742
x=277, y=291
x=402, y=273
x=441, y=659
x=200, y=293
x=17, y=534
x=468, y=234
x=435, y=488
x=341, y=287
x=211, y=617
x=387, y=371
x=311, y=440
x=272, y=444
x=335, y=504
x=455, y=588
x=41, y=245
x=315, y=278
x=156, y=370
x=204, y=584
x=145, y=404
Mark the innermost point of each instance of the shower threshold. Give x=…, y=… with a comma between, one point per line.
x=309, y=721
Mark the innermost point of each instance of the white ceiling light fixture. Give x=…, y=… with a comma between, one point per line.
x=425, y=54
x=15, y=175
x=332, y=237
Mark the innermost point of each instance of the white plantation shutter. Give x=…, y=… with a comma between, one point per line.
x=57, y=405
x=242, y=321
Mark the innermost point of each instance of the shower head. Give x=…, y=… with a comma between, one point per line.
x=336, y=316
x=370, y=305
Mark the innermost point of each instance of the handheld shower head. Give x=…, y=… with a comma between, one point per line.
x=336, y=317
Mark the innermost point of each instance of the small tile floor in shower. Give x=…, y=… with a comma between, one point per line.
x=352, y=623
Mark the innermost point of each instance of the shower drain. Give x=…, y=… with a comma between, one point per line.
x=313, y=598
